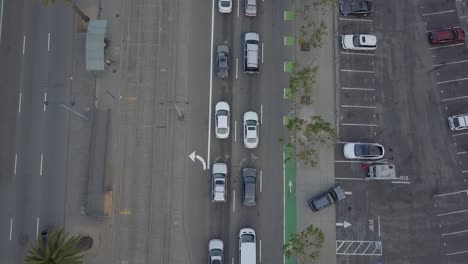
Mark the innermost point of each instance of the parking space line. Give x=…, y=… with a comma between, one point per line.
x=350, y=179
x=454, y=212
x=462, y=152
x=454, y=233
x=37, y=227
x=401, y=182
x=358, y=106
x=456, y=253
x=459, y=134
x=454, y=98
x=438, y=13
x=455, y=80
x=464, y=171
x=353, y=124
x=356, y=88
x=349, y=161
x=355, y=53
x=447, y=46
x=449, y=63
x=358, y=71
x=452, y=193
x=355, y=19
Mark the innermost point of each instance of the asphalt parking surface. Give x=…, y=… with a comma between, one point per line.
x=400, y=96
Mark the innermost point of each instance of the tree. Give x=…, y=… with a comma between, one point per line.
x=75, y=7
x=56, y=248
x=305, y=246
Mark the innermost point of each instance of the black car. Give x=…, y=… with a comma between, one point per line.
x=222, y=61
x=249, y=177
x=326, y=199
x=356, y=8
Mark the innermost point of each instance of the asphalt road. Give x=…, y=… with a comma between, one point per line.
x=36, y=47
x=400, y=96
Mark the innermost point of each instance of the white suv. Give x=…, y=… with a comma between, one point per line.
x=359, y=42
x=219, y=182
x=458, y=122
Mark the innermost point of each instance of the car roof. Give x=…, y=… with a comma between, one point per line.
x=367, y=39
x=222, y=121
x=443, y=34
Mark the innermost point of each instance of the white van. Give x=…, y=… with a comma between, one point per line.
x=251, y=52
x=247, y=246
x=458, y=122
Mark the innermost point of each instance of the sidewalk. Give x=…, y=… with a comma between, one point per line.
x=312, y=181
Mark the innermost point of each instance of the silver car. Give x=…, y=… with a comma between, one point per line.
x=215, y=251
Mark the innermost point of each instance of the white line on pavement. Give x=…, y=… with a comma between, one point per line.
x=211, y=84
x=19, y=103
x=449, y=63
x=355, y=53
x=452, y=193
x=235, y=131
x=238, y=8
x=37, y=228
x=464, y=171
x=232, y=261
x=357, y=71
x=358, y=106
x=261, y=181
x=48, y=42
x=237, y=68
x=454, y=212
x=11, y=227
x=45, y=100
x=233, y=200
x=260, y=251
x=1, y=21
x=461, y=152
x=261, y=114
x=349, y=161
x=456, y=253
x=16, y=162
x=455, y=80
x=350, y=179
x=459, y=134
x=354, y=124
x=378, y=221
x=359, y=89
x=348, y=193
x=40, y=171
x=454, y=98
x=355, y=19
x=447, y=46
x=262, y=52
x=24, y=43
x=454, y=233
x=438, y=13
x=401, y=182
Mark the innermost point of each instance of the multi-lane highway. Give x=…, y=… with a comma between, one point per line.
x=36, y=47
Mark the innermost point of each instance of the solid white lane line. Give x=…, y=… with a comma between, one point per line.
x=211, y=84
x=16, y=162
x=355, y=53
x=19, y=103
x=237, y=68
x=449, y=63
x=359, y=89
x=48, y=42
x=358, y=71
x=358, y=106
x=446, y=46
x=262, y=52
x=454, y=212
x=454, y=233
x=235, y=131
x=260, y=257
x=261, y=180
x=24, y=43
x=355, y=19
x=45, y=100
x=1, y=21
x=454, y=98
x=261, y=114
x=11, y=227
x=452, y=193
x=354, y=124
x=378, y=221
x=37, y=228
x=438, y=13
x=455, y=80
x=238, y=8
x=233, y=201
x=42, y=158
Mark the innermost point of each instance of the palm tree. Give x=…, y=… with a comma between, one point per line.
x=56, y=248
x=74, y=6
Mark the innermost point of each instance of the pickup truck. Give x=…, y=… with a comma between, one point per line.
x=381, y=172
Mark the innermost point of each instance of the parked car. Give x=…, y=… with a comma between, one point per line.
x=222, y=120
x=250, y=130
x=359, y=42
x=215, y=251
x=250, y=7
x=450, y=35
x=458, y=122
x=249, y=180
x=225, y=6
x=222, y=61
x=369, y=151
x=219, y=182
x=326, y=199
x=356, y=8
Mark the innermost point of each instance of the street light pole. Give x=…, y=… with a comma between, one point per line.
x=68, y=107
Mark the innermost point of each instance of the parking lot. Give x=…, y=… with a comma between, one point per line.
x=400, y=96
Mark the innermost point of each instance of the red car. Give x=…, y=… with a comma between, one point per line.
x=451, y=35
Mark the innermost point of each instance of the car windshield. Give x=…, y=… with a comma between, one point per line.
x=222, y=130
x=222, y=113
x=362, y=150
x=356, y=42
x=248, y=238
x=216, y=252
x=456, y=122
x=216, y=261
x=251, y=123
x=225, y=3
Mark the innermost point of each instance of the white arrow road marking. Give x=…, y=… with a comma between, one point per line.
x=290, y=186
x=194, y=156
x=344, y=224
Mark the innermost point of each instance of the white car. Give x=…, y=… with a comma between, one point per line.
x=250, y=7
x=458, y=122
x=219, y=182
x=250, y=130
x=359, y=42
x=225, y=6
x=368, y=151
x=222, y=120
x=215, y=251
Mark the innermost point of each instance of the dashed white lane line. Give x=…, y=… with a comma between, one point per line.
x=261, y=180
x=237, y=68
x=44, y=107
x=355, y=19
x=19, y=103
x=11, y=227
x=357, y=88
x=446, y=46
x=233, y=201
x=261, y=114
x=355, y=53
x=262, y=52
x=452, y=193
x=37, y=228
x=260, y=255
x=42, y=159
x=358, y=106
x=24, y=43
x=454, y=212
x=378, y=222
x=357, y=71
x=16, y=162
x=454, y=233
x=449, y=63
x=454, y=98
x=440, y=12
x=238, y=8
x=235, y=131
x=48, y=42
x=454, y=80
x=354, y=124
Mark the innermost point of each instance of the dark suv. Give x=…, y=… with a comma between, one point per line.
x=222, y=61
x=356, y=8
x=326, y=199
x=249, y=177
